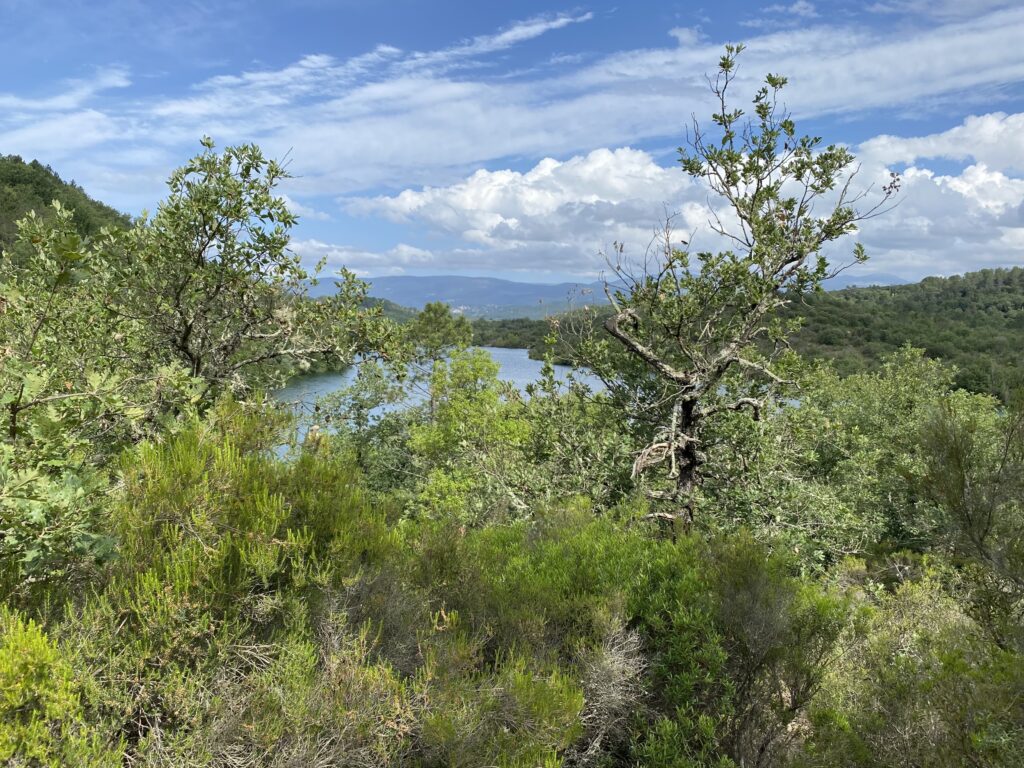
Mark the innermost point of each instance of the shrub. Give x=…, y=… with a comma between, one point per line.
x=41, y=718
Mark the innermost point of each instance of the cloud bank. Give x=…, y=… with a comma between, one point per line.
x=484, y=166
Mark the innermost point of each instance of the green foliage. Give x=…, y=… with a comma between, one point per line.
x=474, y=448
x=740, y=649
x=917, y=685
x=71, y=396
x=52, y=528
x=686, y=320
x=41, y=719
x=472, y=580
x=27, y=187
x=973, y=455
x=217, y=289
x=107, y=340
x=223, y=630
x=68, y=373
x=436, y=331
x=833, y=474
x=515, y=333
x=974, y=322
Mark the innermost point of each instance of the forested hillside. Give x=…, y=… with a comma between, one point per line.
x=974, y=322
x=32, y=186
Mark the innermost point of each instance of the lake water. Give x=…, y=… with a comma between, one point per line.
x=516, y=368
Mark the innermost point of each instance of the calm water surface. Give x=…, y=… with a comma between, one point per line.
x=516, y=367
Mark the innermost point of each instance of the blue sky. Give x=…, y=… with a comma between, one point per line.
x=519, y=139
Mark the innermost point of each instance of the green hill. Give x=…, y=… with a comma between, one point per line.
x=32, y=186
x=974, y=321
x=391, y=310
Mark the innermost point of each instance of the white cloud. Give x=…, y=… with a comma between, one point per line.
x=995, y=139
x=55, y=137
x=942, y=9
x=305, y=211
x=361, y=261
x=76, y=93
x=558, y=214
x=483, y=44
x=801, y=9
x=686, y=35
x=949, y=223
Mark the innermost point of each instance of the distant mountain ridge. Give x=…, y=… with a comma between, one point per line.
x=480, y=296
x=494, y=298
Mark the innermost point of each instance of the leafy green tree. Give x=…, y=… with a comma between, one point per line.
x=687, y=320
x=436, y=331
x=211, y=279
x=835, y=475
x=71, y=396
x=107, y=340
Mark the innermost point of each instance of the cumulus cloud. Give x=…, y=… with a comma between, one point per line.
x=949, y=223
x=559, y=213
x=558, y=216
x=995, y=139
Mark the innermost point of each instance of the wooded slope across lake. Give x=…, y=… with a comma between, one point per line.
x=974, y=321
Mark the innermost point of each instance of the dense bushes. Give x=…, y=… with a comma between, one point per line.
x=265, y=612
x=41, y=719
x=330, y=607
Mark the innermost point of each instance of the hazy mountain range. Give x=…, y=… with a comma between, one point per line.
x=495, y=298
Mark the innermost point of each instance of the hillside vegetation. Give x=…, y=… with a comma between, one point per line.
x=973, y=322
x=32, y=186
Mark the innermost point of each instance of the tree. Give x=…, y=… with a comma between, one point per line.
x=700, y=330
x=212, y=279
x=436, y=331
x=974, y=476
x=109, y=339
